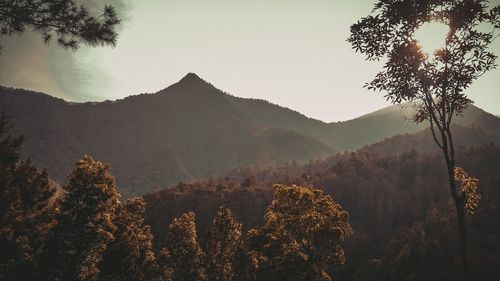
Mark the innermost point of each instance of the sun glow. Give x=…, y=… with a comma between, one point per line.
x=432, y=36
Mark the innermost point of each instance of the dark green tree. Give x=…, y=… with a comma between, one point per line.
x=224, y=242
x=182, y=253
x=130, y=255
x=84, y=224
x=25, y=209
x=68, y=20
x=301, y=236
x=436, y=83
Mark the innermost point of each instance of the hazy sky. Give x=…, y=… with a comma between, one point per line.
x=290, y=52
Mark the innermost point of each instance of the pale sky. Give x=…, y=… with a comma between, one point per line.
x=289, y=52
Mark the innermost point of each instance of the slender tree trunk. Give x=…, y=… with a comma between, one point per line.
x=448, y=150
x=462, y=227
x=463, y=242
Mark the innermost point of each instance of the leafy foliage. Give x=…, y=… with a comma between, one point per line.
x=185, y=256
x=130, y=255
x=385, y=196
x=224, y=242
x=436, y=81
x=84, y=224
x=301, y=235
x=25, y=209
x=71, y=22
x=469, y=189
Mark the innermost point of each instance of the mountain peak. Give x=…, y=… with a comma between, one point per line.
x=193, y=84
x=192, y=78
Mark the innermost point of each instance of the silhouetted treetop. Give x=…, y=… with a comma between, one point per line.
x=389, y=33
x=69, y=21
x=25, y=208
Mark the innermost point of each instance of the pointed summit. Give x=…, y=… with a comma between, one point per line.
x=192, y=83
x=191, y=78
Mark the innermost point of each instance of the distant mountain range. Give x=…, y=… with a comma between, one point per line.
x=192, y=130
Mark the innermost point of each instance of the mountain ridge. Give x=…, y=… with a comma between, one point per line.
x=183, y=132
x=190, y=130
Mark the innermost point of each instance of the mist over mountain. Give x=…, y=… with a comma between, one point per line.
x=422, y=141
x=354, y=134
x=191, y=130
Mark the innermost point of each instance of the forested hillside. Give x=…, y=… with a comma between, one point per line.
x=423, y=142
x=186, y=131
x=376, y=215
x=87, y=233
x=399, y=206
x=191, y=130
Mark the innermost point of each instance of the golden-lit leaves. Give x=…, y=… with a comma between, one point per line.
x=306, y=210
x=85, y=223
x=223, y=243
x=129, y=256
x=468, y=189
x=301, y=235
x=93, y=175
x=185, y=256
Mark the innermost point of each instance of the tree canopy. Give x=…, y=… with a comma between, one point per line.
x=224, y=241
x=301, y=236
x=70, y=22
x=436, y=80
x=25, y=209
x=85, y=224
x=184, y=254
x=130, y=255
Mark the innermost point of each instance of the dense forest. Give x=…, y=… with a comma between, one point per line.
x=87, y=233
x=399, y=209
x=355, y=216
